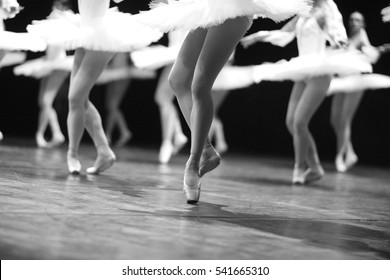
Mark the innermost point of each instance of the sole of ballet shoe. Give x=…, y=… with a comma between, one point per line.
x=74, y=170
x=340, y=165
x=192, y=193
x=300, y=179
x=209, y=164
x=350, y=162
x=95, y=171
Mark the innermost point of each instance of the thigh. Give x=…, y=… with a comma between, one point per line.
x=183, y=68
x=219, y=44
x=312, y=97
x=295, y=96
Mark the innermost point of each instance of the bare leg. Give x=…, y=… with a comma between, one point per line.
x=216, y=129
x=201, y=58
x=343, y=109
x=116, y=91
x=88, y=66
x=48, y=91
x=311, y=98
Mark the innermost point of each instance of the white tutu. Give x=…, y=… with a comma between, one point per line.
x=41, y=67
x=114, y=32
x=386, y=14
x=154, y=57
x=123, y=73
x=234, y=77
x=12, y=41
x=13, y=58
x=332, y=62
x=357, y=83
x=193, y=14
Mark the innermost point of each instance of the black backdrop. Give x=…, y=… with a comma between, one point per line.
x=253, y=117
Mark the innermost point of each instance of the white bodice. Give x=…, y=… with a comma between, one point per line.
x=310, y=37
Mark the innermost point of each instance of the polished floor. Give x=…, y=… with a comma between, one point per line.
x=137, y=210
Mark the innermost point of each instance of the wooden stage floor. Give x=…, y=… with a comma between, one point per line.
x=137, y=210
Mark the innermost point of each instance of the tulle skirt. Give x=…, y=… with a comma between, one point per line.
x=12, y=58
x=42, y=67
x=358, y=83
x=193, y=14
x=113, y=32
x=332, y=62
x=13, y=41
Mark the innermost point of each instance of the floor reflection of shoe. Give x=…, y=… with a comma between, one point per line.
x=166, y=151
x=299, y=176
x=178, y=143
x=57, y=141
x=41, y=142
x=74, y=166
x=316, y=172
x=122, y=141
x=210, y=160
x=340, y=164
x=192, y=190
x=102, y=163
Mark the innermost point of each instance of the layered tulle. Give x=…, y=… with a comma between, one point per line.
x=12, y=41
x=192, y=14
x=332, y=62
x=41, y=67
x=358, y=83
x=13, y=58
x=114, y=32
x=154, y=57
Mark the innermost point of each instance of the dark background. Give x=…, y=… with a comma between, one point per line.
x=253, y=117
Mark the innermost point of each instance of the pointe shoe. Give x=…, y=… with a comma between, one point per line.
x=350, y=160
x=299, y=176
x=221, y=148
x=192, y=192
x=166, y=152
x=209, y=161
x=41, y=142
x=122, y=141
x=74, y=166
x=1, y=136
x=57, y=141
x=316, y=172
x=178, y=143
x=102, y=163
x=340, y=164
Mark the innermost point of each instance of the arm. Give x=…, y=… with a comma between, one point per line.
x=331, y=21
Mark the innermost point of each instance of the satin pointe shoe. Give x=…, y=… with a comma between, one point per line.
x=1, y=136
x=221, y=148
x=41, y=142
x=299, y=176
x=166, y=152
x=340, y=164
x=192, y=191
x=350, y=160
x=102, y=163
x=74, y=166
x=209, y=161
x=178, y=143
x=57, y=141
x=316, y=172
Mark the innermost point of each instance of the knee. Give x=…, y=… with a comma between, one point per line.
x=179, y=86
x=290, y=124
x=300, y=125
x=201, y=92
x=76, y=102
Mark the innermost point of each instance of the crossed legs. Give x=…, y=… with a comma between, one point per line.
x=87, y=67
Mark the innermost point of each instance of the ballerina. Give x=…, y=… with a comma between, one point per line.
x=312, y=72
x=344, y=106
x=217, y=26
x=95, y=34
